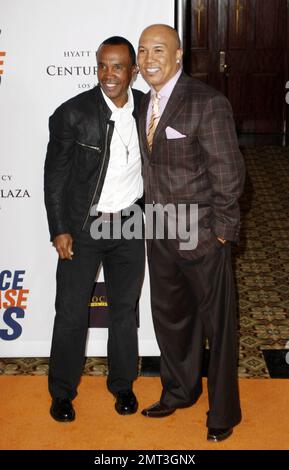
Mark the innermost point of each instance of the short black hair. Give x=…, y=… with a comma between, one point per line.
x=119, y=41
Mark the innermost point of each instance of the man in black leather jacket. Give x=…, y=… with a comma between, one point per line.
x=93, y=162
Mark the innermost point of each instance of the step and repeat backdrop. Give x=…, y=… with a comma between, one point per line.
x=47, y=55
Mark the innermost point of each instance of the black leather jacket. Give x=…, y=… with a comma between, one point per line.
x=77, y=159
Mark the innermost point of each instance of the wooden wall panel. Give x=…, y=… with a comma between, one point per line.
x=253, y=35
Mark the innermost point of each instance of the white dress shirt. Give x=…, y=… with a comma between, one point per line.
x=123, y=183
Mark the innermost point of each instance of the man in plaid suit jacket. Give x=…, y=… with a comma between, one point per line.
x=194, y=159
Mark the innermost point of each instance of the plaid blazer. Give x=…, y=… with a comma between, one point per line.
x=205, y=167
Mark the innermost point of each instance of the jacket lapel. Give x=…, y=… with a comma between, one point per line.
x=173, y=107
x=143, y=121
x=171, y=111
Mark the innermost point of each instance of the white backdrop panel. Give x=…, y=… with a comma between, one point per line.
x=40, y=40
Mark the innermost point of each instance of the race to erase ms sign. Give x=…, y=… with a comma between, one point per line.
x=13, y=303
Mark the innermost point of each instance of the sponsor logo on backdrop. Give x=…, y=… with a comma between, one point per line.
x=98, y=307
x=8, y=191
x=2, y=56
x=80, y=64
x=13, y=303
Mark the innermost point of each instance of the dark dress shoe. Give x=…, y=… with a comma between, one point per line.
x=157, y=410
x=219, y=434
x=126, y=402
x=62, y=410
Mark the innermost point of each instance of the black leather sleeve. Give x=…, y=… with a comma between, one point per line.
x=57, y=171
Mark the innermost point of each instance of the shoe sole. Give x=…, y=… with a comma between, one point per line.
x=66, y=420
x=221, y=438
x=125, y=413
x=157, y=415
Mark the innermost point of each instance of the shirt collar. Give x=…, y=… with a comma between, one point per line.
x=129, y=105
x=167, y=89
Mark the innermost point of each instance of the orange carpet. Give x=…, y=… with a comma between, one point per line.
x=26, y=424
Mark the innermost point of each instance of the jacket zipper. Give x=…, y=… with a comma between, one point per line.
x=99, y=176
x=88, y=146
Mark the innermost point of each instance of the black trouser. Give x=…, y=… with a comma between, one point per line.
x=123, y=265
x=192, y=300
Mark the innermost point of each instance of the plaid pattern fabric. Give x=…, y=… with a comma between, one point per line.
x=205, y=167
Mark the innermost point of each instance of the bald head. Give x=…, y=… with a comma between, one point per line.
x=159, y=54
x=165, y=30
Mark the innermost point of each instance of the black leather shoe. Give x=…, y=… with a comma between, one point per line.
x=62, y=410
x=157, y=410
x=126, y=402
x=219, y=434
